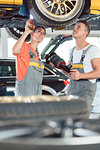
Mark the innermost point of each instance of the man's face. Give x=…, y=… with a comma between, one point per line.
x=79, y=31
x=38, y=35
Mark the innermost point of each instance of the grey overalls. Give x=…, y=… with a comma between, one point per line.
x=81, y=88
x=31, y=84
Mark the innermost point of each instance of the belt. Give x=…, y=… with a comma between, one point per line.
x=36, y=64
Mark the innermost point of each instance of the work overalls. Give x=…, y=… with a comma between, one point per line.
x=82, y=88
x=31, y=84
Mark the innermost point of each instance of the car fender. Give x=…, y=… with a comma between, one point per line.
x=49, y=89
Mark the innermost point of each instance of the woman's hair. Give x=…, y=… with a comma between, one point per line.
x=37, y=27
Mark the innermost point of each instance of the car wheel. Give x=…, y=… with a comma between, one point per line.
x=16, y=33
x=26, y=107
x=46, y=93
x=46, y=90
x=55, y=13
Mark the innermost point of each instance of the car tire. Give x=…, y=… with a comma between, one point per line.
x=36, y=107
x=46, y=90
x=16, y=33
x=68, y=12
x=46, y=93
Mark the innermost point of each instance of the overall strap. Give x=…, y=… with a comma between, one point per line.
x=31, y=53
x=71, y=56
x=34, y=57
x=84, y=53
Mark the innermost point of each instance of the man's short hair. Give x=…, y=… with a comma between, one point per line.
x=37, y=27
x=86, y=24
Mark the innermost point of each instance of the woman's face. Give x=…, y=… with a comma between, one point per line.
x=38, y=35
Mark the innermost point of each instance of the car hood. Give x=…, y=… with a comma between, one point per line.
x=54, y=43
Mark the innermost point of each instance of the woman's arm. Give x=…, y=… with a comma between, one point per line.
x=17, y=47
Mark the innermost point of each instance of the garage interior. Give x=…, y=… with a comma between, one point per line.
x=5, y=52
x=7, y=42
x=50, y=121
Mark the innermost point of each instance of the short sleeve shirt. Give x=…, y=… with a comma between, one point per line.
x=93, y=52
x=22, y=61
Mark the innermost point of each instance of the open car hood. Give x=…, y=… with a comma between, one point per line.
x=54, y=43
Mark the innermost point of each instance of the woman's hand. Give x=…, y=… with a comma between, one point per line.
x=28, y=26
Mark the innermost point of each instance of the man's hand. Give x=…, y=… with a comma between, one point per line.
x=74, y=74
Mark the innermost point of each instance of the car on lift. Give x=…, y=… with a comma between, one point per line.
x=54, y=80
x=49, y=13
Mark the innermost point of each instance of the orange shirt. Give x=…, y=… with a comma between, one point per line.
x=22, y=62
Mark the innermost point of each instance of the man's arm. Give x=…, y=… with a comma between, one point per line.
x=66, y=73
x=17, y=47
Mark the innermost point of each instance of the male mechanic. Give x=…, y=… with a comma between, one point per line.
x=85, y=60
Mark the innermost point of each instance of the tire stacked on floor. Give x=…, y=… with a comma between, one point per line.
x=43, y=107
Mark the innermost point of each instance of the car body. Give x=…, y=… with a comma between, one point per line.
x=53, y=80
x=54, y=14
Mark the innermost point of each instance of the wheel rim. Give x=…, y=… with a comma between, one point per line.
x=60, y=10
